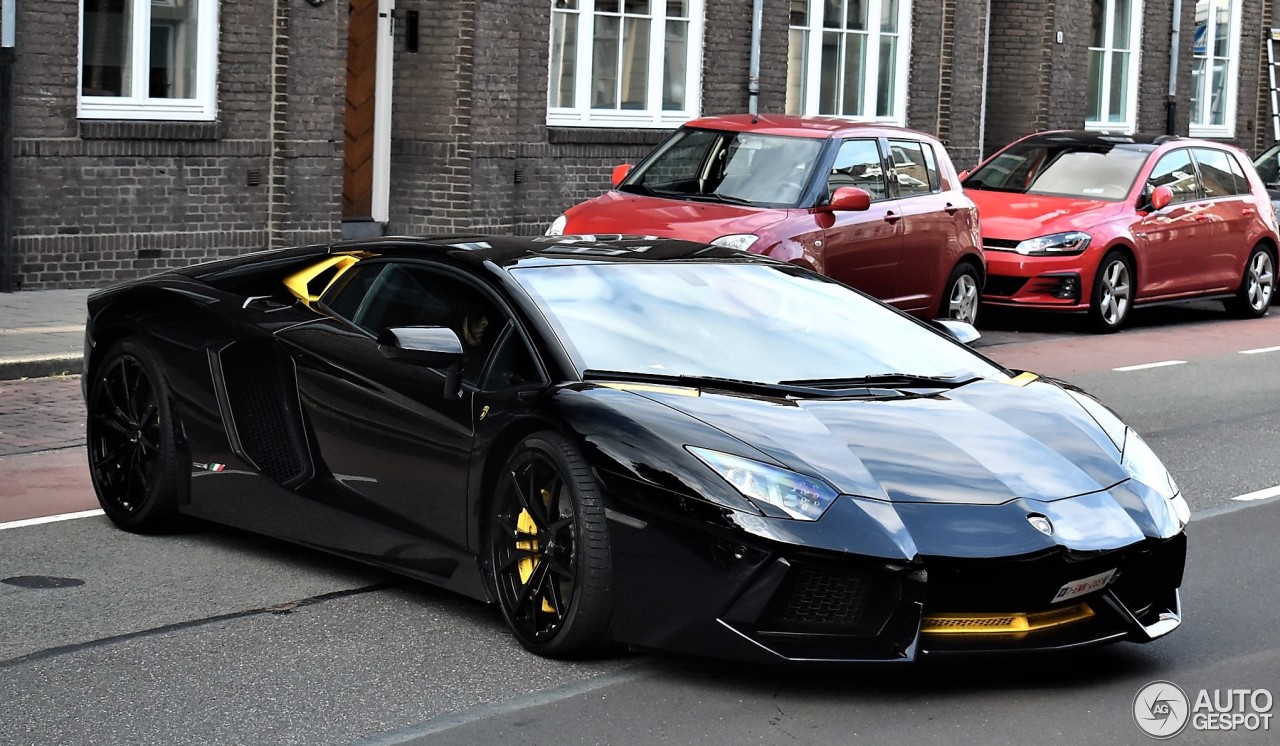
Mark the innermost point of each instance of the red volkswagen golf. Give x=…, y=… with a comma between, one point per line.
x=878, y=208
x=1099, y=224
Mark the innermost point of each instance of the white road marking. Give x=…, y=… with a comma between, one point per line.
x=1260, y=349
x=1144, y=366
x=49, y=519
x=43, y=329
x=1259, y=495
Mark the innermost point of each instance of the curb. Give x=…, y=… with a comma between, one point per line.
x=40, y=366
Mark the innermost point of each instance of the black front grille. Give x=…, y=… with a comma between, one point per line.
x=1003, y=286
x=831, y=600
x=261, y=399
x=999, y=244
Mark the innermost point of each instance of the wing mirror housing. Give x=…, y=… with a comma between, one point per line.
x=620, y=172
x=961, y=331
x=847, y=199
x=1161, y=196
x=428, y=346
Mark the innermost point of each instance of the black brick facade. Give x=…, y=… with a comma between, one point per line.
x=101, y=201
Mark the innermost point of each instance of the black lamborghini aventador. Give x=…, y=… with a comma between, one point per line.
x=633, y=440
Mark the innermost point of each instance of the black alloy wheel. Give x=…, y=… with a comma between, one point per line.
x=135, y=461
x=549, y=549
x=1257, y=286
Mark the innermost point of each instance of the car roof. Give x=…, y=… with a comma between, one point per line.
x=794, y=126
x=527, y=251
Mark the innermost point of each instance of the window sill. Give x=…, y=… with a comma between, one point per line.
x=597, y=136
x=110, y=129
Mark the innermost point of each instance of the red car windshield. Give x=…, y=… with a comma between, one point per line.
x=1068, y=170
x=734, y=167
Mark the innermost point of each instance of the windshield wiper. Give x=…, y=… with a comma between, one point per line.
x=781, y=389
x=725, y=198
x=889, y=380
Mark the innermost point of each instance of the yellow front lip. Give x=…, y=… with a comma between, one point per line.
x=1004, y=624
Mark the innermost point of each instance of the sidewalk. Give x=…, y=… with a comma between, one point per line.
x=41, y=332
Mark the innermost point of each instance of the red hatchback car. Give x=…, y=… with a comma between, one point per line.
x=878, y=208
x=1099, y=223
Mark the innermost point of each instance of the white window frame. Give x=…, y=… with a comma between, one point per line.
x=201, y=107
x=810, y=104
x=653, y=117
x=1108, y=50
x=1228, y=127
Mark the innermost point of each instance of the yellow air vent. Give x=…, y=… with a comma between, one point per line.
x=1003, y=624
x=309, y=284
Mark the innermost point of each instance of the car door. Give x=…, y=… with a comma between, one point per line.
x=1169, y=241
x=1232, y=210
x=387, y=430
x=862, y=248
x=930, y=225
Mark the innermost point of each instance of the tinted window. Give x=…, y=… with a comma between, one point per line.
x=743, y=321
x=512, y=364
x=1176, y=172
x=382, y=296
x=1219, y=173
x=916, y=172
x=858, y=165
x=1268, y=165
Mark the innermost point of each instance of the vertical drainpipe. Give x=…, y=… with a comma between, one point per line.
x=1175, y=36
x=982, y=112
x=753, y=83
x=8, y=56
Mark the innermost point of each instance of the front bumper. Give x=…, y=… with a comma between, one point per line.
x=1049, y=283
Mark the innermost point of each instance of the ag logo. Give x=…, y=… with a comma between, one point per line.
x=1161, y=709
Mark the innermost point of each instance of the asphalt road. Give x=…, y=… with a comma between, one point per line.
x=218, y=637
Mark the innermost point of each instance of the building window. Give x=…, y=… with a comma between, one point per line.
x=1216, y=48
x=849, y=58
x=624, y=63
x=148, y=59
x=1114, y=42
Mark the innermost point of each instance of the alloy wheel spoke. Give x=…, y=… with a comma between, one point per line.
x=516, y=557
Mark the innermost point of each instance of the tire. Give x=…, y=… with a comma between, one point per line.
x=549, y=553
x=137, y=465
x=1257, y=286
x=961, y=294
x=1111, y=302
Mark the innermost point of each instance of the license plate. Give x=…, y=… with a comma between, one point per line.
x=1083, y=586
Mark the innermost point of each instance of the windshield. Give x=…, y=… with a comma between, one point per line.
x=746, y=322
x=1093, y=171
x=734, y=167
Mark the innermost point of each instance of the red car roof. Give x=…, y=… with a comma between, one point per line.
x=793, y=126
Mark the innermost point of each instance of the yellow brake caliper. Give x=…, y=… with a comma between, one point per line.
x=528, y=527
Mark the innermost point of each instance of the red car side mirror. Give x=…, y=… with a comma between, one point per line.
x=620, y=173
x=848, y=199
x=1161, y=196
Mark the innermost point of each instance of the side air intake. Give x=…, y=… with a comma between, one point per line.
x=260, y=404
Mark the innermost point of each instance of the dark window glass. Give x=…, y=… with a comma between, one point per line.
x=1220, y=173
x=858, y=165
x=1176, y=172
x=512, y=365
x=915, y=172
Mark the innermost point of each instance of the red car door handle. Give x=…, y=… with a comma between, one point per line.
x=891, y=218
x=1247, y=211
x=950, y=209
x=1203, y=217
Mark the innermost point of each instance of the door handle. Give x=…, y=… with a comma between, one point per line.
x=891, y=218
x=950, y=209
x=1203, y=217
x=1247, y=211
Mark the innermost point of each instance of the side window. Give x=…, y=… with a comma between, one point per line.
x=1176, y=172
x=1269, y=166
x=858, y=165
x=915, y=172
x=1220, y=173
x=512, y=364
x=382, y=296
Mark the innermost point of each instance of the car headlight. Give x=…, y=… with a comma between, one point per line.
x=1057, y=244
x=1144, y=466
x=739, y=241
x=796, y=495
x=557, y=226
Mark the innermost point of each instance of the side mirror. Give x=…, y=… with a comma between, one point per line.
x=961, y=331
x=429, y=346
x=848, y=199
x=1161, y=196
x=620, y=173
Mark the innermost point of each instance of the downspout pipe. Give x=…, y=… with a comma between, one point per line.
x=1175, y=40
x=753, y=83
x=8, y=59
